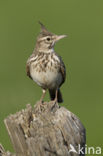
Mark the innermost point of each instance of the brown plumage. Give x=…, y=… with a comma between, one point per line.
x=45, y=67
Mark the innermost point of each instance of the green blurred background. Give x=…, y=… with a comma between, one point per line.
x=82, y=52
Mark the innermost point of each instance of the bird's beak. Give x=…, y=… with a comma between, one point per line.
x=59, y=37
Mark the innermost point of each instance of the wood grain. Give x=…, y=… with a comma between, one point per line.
x=45, y=130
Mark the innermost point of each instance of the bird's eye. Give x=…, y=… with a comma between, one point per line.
x=48, y=39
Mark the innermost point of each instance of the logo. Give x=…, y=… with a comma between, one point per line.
x=85, y=150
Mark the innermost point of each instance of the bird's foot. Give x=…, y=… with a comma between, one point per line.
x=39, y=106
x=55, y=100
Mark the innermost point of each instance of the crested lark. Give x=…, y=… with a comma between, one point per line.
x=45, y=67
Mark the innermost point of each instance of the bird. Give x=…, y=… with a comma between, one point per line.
x=45, y=67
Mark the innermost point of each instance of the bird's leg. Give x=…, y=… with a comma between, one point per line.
x=43, y=95
x=56, y=96
x=39, y=105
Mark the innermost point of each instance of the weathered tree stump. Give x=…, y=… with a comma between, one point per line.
x=45, y=130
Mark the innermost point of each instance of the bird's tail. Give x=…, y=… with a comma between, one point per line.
x=53, y=94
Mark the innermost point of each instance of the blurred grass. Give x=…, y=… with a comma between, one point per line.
x=82, y=53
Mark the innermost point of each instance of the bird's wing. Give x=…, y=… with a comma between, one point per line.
x=28, y=69
x=62, y=70
x=28, y=65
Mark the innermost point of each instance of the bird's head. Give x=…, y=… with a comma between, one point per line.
x=46, y=40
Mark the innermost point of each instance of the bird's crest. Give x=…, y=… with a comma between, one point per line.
x=44, y=31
